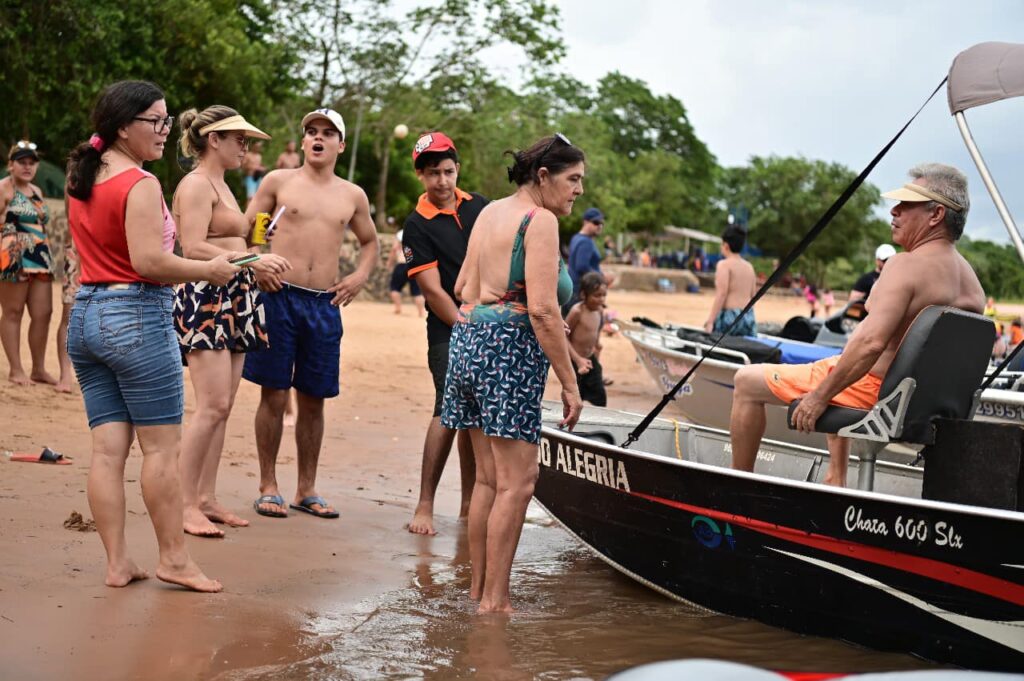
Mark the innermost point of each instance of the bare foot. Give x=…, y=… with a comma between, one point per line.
x=19, y=378
x=43, y=377
x=189, y=576
x=487, y=608
x=423, y=520
x=124, y=573
x=197, y=524
x=63, y=386
x=398, y=310
x=218, y=514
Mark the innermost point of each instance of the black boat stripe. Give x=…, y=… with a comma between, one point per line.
x=955, y=575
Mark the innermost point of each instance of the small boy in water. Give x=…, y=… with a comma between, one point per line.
x=585, y=321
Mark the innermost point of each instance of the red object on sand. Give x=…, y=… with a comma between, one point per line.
x=45, y=456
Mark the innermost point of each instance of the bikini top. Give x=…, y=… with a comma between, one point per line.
x=225, y=221
x=512, y=305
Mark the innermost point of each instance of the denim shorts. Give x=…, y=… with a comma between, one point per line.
x=125, y=353
x=305, y=343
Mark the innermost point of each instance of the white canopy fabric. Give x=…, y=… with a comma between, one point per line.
x=694, y=234
x=985, y=73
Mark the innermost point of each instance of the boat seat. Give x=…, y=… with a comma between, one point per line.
x=936, y=373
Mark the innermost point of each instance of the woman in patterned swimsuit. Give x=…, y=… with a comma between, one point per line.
x=25, y=277
x=513, y=283
x=215, y=324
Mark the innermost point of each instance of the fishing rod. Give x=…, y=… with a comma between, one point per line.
x=787, y=261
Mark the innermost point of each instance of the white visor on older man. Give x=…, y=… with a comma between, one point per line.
x=916, y=193
x=234, y=124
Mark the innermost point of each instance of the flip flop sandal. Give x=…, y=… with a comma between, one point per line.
x=306, y=506
x=270, y=499
x=45, y=456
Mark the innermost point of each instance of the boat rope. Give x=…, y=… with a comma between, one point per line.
x=1002, y=365
x=775, y=276
x=679, y=451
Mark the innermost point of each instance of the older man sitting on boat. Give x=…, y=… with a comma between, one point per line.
x=927, y=221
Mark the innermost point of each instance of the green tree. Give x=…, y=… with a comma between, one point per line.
x=786, y=196
x=368, y=58
x=58, y=55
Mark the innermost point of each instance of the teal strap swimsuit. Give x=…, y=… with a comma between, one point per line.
x=512, y=306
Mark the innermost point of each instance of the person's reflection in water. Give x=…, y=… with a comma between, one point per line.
x=487, y=651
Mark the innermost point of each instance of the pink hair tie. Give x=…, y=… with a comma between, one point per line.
x=96, y=142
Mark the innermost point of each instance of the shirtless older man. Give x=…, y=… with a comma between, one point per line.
x=927, y=221
x=303, y=319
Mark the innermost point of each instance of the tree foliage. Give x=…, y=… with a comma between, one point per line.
x=57, y=56
x=785, y=197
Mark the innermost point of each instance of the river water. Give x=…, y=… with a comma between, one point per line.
x=577, y=619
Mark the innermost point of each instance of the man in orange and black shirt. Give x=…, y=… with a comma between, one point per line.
x=434, y=242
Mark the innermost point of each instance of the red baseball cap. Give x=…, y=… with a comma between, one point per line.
x=432, y=141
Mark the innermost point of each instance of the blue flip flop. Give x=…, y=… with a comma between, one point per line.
x=270, y=499
x=306, y=506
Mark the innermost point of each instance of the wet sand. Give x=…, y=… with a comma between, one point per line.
x=355, y=598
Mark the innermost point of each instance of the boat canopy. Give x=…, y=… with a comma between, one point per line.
x=985, y=73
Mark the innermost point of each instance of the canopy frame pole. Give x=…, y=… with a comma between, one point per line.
x=990, y=184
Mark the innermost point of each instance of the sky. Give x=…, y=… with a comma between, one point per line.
x=824, y=79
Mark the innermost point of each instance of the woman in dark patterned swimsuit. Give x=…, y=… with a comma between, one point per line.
x=215, y=324
x=26, y=279
x=513, y=283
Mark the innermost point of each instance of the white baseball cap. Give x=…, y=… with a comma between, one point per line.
x=884, y=252
x=332, y=116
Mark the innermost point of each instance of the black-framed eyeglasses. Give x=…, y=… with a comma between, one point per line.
x=557, y=137
x=159, y=124
x=24, y=144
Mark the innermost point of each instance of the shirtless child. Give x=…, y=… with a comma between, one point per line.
x=585, y=320
x=303, y=319
x=735, y=285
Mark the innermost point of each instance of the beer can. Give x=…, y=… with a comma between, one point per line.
x=259, y=229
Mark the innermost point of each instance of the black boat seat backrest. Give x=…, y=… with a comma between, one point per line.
x=946, y=352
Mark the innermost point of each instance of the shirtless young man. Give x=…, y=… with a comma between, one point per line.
x=303, y=319
x=735, y=285
x=927, y=222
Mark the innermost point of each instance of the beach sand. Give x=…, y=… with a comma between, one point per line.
x=285, y=581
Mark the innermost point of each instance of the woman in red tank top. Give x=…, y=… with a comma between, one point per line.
x=120, y=337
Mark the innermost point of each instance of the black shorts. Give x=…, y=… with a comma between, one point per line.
x=437, y=360
x=399, y=280
x=591, y=384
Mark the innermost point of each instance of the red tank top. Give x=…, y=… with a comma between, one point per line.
x=97, y=229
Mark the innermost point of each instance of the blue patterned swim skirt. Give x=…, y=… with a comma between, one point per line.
x=496, y=377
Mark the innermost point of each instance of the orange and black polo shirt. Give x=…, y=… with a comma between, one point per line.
x=434, y=237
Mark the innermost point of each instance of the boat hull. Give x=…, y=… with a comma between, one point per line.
x=940, y=581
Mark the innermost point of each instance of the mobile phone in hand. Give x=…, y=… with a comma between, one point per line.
x=245, y=259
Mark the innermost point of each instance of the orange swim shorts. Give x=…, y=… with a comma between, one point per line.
x=792, y=381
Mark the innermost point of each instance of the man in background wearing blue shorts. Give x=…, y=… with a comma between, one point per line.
x=302, y=306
